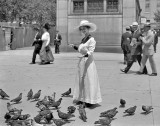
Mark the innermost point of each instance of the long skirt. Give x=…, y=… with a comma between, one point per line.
x=46, y=54
x=87, y=89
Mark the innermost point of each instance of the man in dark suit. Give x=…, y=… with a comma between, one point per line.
x=37, y=43
x=136, y=49
x=57, y=41
x=125, y=44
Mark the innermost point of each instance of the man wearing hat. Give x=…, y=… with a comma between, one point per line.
x=37, y=43
x=125, y=44
x=148, y=50
x=57, y=41
x=136, y=49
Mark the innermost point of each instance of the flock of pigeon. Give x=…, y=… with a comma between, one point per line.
x=14, y=116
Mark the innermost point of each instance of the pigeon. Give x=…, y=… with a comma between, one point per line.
x=64, y=116
x=42, y=107
x=55, y=104
x=67, y=93
x=114, y=109
x=11, y=109
x=7, y=116
x=122, y=102
x=17, y=99
x=106, y=121
x=71, y=109
x=44, y=112
x=82, y=112
x=33, y=123
x=3, y=94
x=37, y=95
x=59, y=122
x=147, y=109
x=17, y=115
x=24, y=117
x=50, y=98
x=48, y=117
x=19, y=122
x=131, y=110
x=30, y=94
x=54, y=96
x=38, y=118
x=109, y=114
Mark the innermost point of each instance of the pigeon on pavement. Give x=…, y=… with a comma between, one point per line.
x=131, y=110
x=3, y=94
x=109, y=114
x=67, y=93
x=33, y=123
x=105, y=112
x=147, y=109
x=44, y=112
x=64, y=116
x=71, y=109
x=11, y=109
x=17, y=99
x=48, y=117
x=82, y=112
x=106, y=121
x=55, y=104
x=17, y=115
x=37, y=95
x=30, y=94
x=59, y=122
x=122, y=102
x=24, y=117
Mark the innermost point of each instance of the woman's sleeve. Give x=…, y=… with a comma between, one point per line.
x=91, y=45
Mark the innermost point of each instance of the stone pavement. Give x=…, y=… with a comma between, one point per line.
x=17, y=75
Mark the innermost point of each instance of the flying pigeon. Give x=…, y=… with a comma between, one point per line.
x=17, y=99
x=3, y=94
x=82, y=112
x=67, y=93
x=131, y=110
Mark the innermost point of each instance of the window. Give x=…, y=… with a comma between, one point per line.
x=95, y=5
x=112, y=6
x=147, y=6
x=78, y=6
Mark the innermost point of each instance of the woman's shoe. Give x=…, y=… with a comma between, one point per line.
x=79, y=102
x=88, y=105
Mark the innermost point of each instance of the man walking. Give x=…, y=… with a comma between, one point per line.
x=57, y=41
x=37, y=43
x=125, y=44
x=148, y=50
x=136, y=49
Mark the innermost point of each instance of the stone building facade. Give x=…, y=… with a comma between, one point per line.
x=110, y=16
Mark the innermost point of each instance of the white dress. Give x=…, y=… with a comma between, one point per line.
x=87, y=88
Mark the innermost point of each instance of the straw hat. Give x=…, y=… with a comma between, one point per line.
x=92, y=26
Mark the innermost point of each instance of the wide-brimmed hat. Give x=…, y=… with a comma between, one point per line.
x=134, y=24
x=92, y=26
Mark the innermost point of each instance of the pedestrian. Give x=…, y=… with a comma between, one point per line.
x=46, y=55
x=155, y=40
x=125, y=44
x=136, y=49
x=57, y=41
x=148, y=50
x=37, y=43
x=87, y=87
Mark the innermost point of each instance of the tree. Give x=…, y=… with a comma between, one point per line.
x=157, y=16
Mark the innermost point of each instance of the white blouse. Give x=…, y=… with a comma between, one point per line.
x=46, y=38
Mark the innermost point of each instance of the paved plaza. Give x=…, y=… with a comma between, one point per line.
x=18, y=76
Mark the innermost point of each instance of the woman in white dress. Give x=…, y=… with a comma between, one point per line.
x=46, y=55
x=87, y=88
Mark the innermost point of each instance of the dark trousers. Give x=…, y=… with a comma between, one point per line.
x=132, y=60
x=56, y=48
x=126, y=56
x=35, y=52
